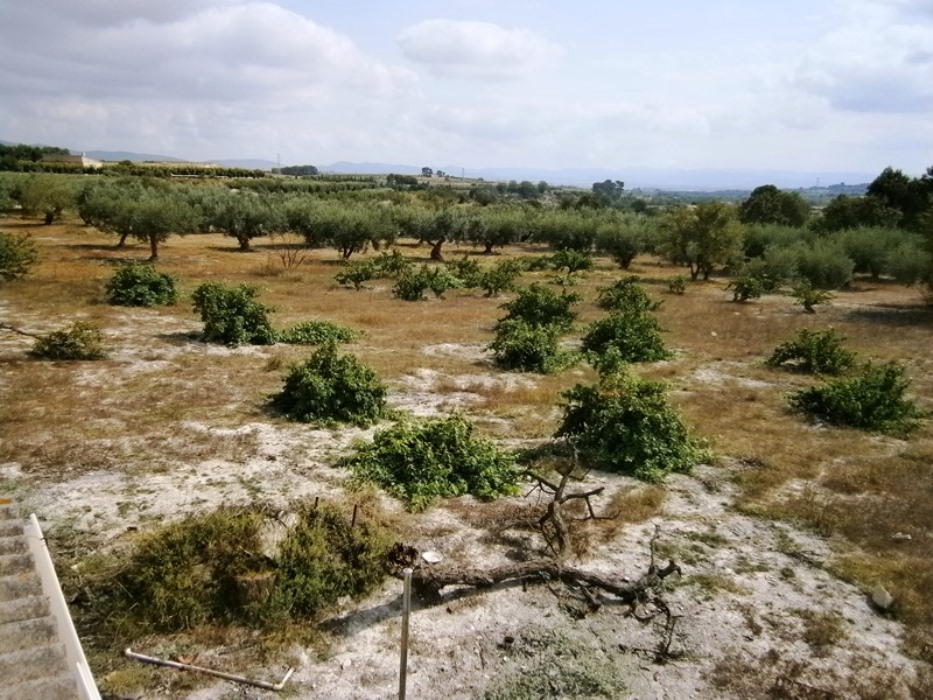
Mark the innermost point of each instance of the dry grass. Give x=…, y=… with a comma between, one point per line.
x=129, y=410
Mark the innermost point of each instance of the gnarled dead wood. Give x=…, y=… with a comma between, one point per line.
x=20, y=331
x=429, y=581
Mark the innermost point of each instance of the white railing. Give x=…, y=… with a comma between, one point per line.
x=52, y=589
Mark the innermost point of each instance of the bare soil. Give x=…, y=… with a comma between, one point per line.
x=169, y=426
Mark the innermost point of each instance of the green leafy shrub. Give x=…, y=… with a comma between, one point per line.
x=357, y=273
x=391, y=264
x=625, y=424
x=677, y=285
x=136, y=284
x=537, y=305
x=317, y=333
x=329, y=387
x=200, y=570
x=809, y=297
x=412, y=284
x=523, y=347
x=626, y=294
x=500, y=277
x=824, y=264
x=571, y=260
x=635, y=335
x=18, y=255
x=466, y=269
x=813, y=352
x=745, y=288
x=872, y=400
x=421, y=462
x=232, y=316
x=83, y=341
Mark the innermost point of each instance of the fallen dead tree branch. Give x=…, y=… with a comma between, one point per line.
x=14, y=329
x=429, y=581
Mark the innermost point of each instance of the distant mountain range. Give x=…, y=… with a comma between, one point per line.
x=698, y=179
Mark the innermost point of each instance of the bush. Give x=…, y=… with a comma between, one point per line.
x=626, y=295
x=199, y=570
x=745, y=288
x=18, y=255
x=391, y=264
x=317, y=333
x=83, y=341
x=635, y=335
x=677, y=285
x=135, y=284
x=813, y=352
x=625, y=424
x=500, y=277
x=523, y=347
x=571, y=260
x=232, y=316
x=468, y=270
x=809, y=297
x=357, y=272
x=873, y=400
x=542, y=306
x=328, y=387
x=412, y=285
x=421, y=462
x=825, y=265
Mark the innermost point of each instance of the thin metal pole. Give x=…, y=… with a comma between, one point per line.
x=406, y=609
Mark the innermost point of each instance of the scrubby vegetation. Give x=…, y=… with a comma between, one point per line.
x=329, y=387
x=18, y=255
x=82, y=341
x=420, y=462
x=874, y=399
x=221, y=567
x=135, y=284
x=627, y=425
x=232, y=316
x=813, y=352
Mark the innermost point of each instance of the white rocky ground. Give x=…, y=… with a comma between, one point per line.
x=749, y=589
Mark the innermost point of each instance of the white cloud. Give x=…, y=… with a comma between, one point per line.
x=476, y=49
x=878, y=59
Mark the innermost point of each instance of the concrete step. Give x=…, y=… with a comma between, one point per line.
x=22, y=585
x=14, y=545
x=34, y=632
x=15, y=563
x=59, y=687
x=23, y=609
x=32, y=663
x=10, y=527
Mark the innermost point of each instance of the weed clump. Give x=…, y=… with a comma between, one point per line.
x=317, y=333
x=83, y=341
x=18, y=255
x=421, y=462
x=135, y=284
x=329, y=387
x=218, y=568
x=873, y=400
x=813, y=352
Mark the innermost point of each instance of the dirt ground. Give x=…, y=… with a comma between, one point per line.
x=757, y=611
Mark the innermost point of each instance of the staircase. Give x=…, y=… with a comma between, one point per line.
x=40, y=655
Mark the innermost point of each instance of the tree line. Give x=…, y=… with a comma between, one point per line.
x=771, y=237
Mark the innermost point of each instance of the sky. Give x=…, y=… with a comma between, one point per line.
x=798, y=85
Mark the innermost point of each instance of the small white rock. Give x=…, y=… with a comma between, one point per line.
x=881, y=598
x=900, y=536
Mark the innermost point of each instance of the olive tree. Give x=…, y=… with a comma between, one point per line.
x=702, y=238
